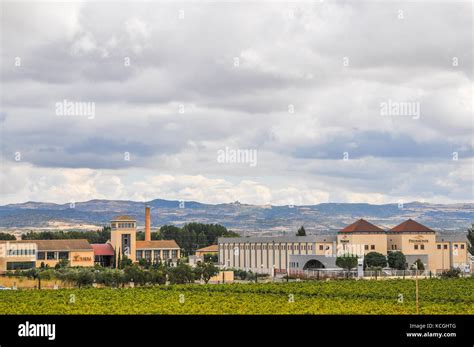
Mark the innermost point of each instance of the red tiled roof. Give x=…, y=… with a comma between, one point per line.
x=410, y=226
x=211, y=248
x=102, y=249
x=123, y=218
x=362, y=226
x=157, y=244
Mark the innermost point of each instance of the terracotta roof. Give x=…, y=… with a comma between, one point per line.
x=362, y=226
x=211, y=248
x=410, y=226
x=102, y=249
x=123, y=218
x=157, y=244
x=58, y=245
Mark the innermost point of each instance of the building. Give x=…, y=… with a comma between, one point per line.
x=278, y=254
x=124, y=241
x=213, y=250
x=37, y=253
x=25, y=254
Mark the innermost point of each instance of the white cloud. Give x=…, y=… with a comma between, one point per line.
x=76, y=52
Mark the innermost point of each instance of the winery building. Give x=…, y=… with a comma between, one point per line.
x=26, y=254
x=280, y=254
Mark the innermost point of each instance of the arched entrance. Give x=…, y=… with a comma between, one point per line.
x=313, y=264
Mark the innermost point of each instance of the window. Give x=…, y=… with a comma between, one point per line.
x=422, y=246
x=416, y=246
x=40, y=256
x=51, y=255
x=366, y=247
x=139, y=255
x=148, y=255
x=321, y=247
x=174, y=253
x=439, y=246
x=327, y=248
x=166, y=254
x=445, y=246
x=372, y=247
x=20, y=265
x=156, y=254
x=63, y=255
x=462, y=245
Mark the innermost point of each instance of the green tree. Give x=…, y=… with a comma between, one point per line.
x=205, y=271
x=193, y=236
x=347, y=261
x=470, y=239
x=301, y=231
x=210, y=258
x=375, y=259
x=7, y=237
x=418, y=265
x=84, y=278
x=397, y=260
x=181, y=274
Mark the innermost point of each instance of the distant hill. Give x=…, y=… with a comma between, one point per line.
x=243, y=218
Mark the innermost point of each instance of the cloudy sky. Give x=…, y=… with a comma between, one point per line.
x=300, y=84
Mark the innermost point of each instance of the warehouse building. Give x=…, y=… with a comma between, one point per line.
x=25, y=254
x=280, y=254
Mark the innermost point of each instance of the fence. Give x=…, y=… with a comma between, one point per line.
x=334, y=274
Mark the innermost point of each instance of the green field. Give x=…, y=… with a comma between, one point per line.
x=450, y=296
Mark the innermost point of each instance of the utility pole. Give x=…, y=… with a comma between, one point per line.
x=417, y=296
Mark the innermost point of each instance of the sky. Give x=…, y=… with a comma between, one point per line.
x=274, y=103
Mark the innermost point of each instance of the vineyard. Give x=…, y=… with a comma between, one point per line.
x=450, y=296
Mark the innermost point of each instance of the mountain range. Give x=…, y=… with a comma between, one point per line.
x=245, y=219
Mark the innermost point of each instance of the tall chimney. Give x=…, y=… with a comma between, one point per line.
x=147, y=224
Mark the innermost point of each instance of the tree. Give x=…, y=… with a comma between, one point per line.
x=418, y=265
x=62, y=264
x=470, y=239
x=397, y=260
x=205, y=271
x=347, y=261
x=7, y=237
x=210, y=258
x=125, y=262
x=181, y=274
x=194, y=235
x=84, y=278
x=301, y=231
x=375, y=259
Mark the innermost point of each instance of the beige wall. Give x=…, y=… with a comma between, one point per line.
x=427, y=241
x=161, y=253
x=358, y=242
x=76, y=258
x=116, y=241
x=254, y=255
x=442, y=257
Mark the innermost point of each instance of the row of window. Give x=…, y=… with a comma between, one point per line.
x=156, y=254
x=366, y=247
x=264, y=247
x=456, y=246
x=21, y=252
x=52, y=255
x=123, y=225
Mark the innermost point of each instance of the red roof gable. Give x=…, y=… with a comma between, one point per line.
x=362, y=226
x=102, y=249
x=411, y=226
